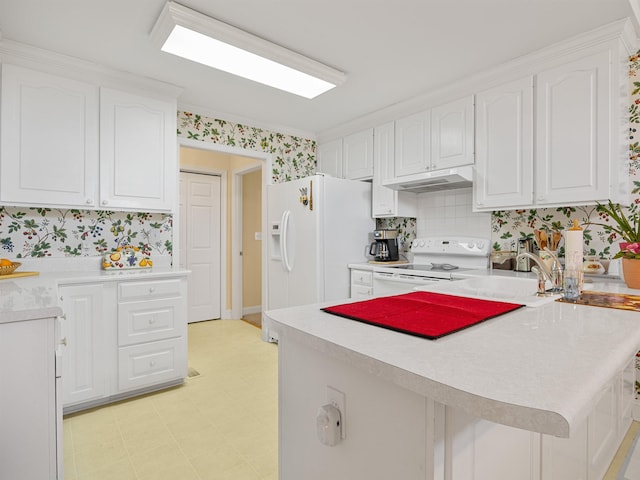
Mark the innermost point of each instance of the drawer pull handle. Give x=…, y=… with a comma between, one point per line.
x=151, y=289
x=152, y=320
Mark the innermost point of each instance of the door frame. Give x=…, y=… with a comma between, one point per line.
x=266, y=180
x=237, y=309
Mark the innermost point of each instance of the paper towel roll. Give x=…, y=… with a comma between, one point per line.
x=573, y=246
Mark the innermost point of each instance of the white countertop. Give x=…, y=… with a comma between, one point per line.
x=539, y=369
x=27, y=298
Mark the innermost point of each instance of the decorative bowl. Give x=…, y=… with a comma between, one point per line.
x=7, y=269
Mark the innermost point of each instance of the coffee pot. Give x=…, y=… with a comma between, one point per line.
x=385, y=246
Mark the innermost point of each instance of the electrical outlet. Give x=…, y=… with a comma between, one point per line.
x=337, y=399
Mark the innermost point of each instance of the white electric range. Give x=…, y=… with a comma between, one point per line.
x=435, y=259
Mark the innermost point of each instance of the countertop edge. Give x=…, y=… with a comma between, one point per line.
x=531, y=419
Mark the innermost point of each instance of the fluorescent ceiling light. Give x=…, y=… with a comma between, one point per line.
x=194, y=36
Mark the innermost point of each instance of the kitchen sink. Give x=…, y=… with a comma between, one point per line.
x=502, y=289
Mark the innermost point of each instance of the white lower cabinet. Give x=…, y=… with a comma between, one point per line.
x=122, y=337
x=392, y=432
x=152, y=323
x=361, y=284
x=84, y=326
x=29, y=445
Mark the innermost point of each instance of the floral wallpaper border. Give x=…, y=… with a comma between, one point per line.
x=293, y=157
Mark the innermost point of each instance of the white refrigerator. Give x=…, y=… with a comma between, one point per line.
x=316, y=226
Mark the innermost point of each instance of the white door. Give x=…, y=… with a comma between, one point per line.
x=200, y=243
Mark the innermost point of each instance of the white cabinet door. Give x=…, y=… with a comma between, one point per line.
x=572, y=131
x=138, y=158
x=603, y=430
x=49, y=145
x=387, y=202
x=504, y=146
x=28, y=400
x=452, y=134
x=85, y=356
x=357, y=155
x=413, y=144
x=330, y=158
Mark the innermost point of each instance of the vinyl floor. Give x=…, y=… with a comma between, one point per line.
x=221, y=424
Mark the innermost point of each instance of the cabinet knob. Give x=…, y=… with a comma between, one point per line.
x=63, y=341
x=152, y=289
x=89, y=201
x=104, y=202
x=152, y=320
x=152, y=363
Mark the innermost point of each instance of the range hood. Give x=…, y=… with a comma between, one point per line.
x=446, y=179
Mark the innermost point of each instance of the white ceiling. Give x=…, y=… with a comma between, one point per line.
x=391, y=50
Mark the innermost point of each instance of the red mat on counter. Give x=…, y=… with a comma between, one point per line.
x=423, y=314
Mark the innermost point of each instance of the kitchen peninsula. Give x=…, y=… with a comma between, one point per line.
x=539, y=393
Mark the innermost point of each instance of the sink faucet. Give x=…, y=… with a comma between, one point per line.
x=540, y=270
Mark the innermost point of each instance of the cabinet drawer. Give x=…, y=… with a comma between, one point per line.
x=359, y=277
x=149, y=321
x=151, y=363
x=148, y=289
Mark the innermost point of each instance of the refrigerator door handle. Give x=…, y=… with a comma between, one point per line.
x=283, y=240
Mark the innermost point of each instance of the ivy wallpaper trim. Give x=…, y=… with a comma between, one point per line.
x=46, y=232
x=293, y=157
x=509, y=225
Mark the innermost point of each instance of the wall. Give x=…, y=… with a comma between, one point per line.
x=49, y=232
x=251, y=248
x=292, y=157
x=206, y=159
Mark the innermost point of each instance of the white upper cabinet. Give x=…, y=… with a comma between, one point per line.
x=413, y=144
x=504, y=146
x=436, y=139
x=357, y=155
x=137, y=152
x=49, y=139
x=385, y=201
x=330, y=158
x=572, y=131
x=452, y=134
x=68, y=143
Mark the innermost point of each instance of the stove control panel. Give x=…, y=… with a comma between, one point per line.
x=472, y=246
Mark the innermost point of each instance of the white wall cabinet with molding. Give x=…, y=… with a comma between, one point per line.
x=76, y=144
x=580, y=148
x=329, y=159
x=387, y=202
x=357, y=155
x=504, y=146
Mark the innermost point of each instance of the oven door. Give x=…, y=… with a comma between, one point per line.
x=395, y=283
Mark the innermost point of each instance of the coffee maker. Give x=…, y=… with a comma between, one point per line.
x=385, y=247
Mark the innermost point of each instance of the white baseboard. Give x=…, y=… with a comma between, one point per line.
x=250, y=310
x=226, y=315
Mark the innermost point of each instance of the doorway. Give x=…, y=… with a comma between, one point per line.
x=230, y=163
x=200, y=250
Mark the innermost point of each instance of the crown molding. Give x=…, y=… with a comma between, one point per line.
x=621, y=32
x=67, y=66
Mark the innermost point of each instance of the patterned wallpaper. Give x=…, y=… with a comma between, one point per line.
x=293, y=157
x=508, y=225
x=47, y=232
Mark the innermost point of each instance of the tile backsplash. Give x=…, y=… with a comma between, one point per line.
x=450, y=213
